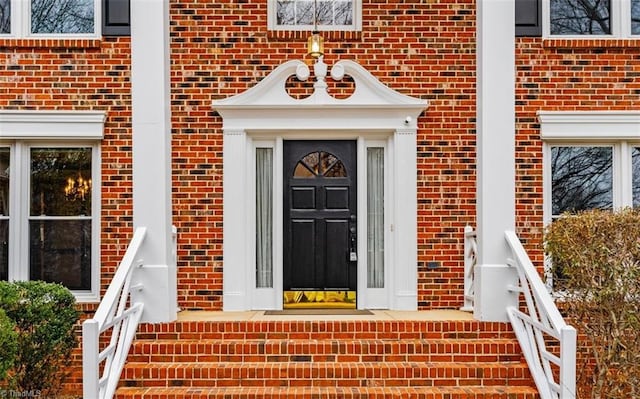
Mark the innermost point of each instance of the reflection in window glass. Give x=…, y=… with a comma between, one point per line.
x=635, y=167
x=581, y=178
x=317, y=164
x=5, y=156
x=62, y=16
x=304, y=12
x=5, y=16
x=60, y=181
x=60, y=216
x=580, y=17
x=60, y=252
x=635, y=17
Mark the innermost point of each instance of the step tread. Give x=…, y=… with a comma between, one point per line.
x=329, y=339
x=467, y=392
x=500, y=364
x=326, y=374
x=325, y=342
x=342, y=369
x=325, y=350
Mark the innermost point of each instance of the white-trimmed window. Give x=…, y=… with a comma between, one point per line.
x=591, y=18
x=325, y=15
x=50, y=198
x=592, y=160
x=50, y=18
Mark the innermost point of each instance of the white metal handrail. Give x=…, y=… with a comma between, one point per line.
x=547, y=342
x=114, y=315
x=470, y=260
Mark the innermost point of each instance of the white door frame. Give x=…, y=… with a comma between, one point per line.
x=266, y=114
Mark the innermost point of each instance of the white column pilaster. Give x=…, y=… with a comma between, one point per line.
x=234, y=215
x=151, y=116
x=405, y=224
x=496, y=156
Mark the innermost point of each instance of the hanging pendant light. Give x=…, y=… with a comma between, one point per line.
x=315, y=44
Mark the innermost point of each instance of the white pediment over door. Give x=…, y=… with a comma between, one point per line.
x=266, y=114
x=268, y=106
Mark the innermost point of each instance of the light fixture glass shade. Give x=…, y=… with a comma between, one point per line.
x=315, y=45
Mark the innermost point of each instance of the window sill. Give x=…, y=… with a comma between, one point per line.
x=590, y=42
x=50, y=43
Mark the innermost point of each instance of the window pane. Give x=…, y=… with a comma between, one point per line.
x=635, y=166
x=319, y=164
x=309, y=12
x=343, y=13
x=4, y=249
x=635, y=17
x=60, y=252
x=375, y=217
x=581, y=178
x=304, y=13
x=264, y=217
x=580, y=17
x=286, y=12
x=62, y=16
x=60, y=181
x=5, y=16
x=5, y=156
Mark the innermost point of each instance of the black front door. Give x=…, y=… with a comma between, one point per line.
x=320, y=217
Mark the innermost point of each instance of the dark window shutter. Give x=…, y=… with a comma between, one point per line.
x=115, y=18
x=528, y=18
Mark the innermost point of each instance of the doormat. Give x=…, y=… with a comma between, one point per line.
x=314, y=312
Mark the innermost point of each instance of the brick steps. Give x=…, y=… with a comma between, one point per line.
x=330, y=392
x=326, y=360
x=338, y=374
x=287, y=350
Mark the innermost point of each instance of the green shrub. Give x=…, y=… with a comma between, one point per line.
x=8, y=343
x=44, y=315
x=597, y=255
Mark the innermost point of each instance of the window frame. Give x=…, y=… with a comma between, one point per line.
x=21, y=23
x=617, y=183
x=620, y=22
x=23, y=130
x=272, y=24
x=617, y=129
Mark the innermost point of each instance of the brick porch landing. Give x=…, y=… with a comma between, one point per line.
x=258, y=315
x=408, y=355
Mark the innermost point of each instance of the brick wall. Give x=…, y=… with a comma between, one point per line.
x=420, y=48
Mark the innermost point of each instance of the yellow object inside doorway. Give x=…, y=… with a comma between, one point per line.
x=319, y=299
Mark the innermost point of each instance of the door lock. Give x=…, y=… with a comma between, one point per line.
x=353, y=255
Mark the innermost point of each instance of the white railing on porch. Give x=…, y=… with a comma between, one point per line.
x=119, y=317
x=470, y=260
x=547, y=342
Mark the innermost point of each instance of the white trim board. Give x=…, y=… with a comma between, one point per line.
x=27, y=124
x=584, y=125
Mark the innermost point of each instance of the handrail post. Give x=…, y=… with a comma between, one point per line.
x=90, y=350
x=568, y=339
